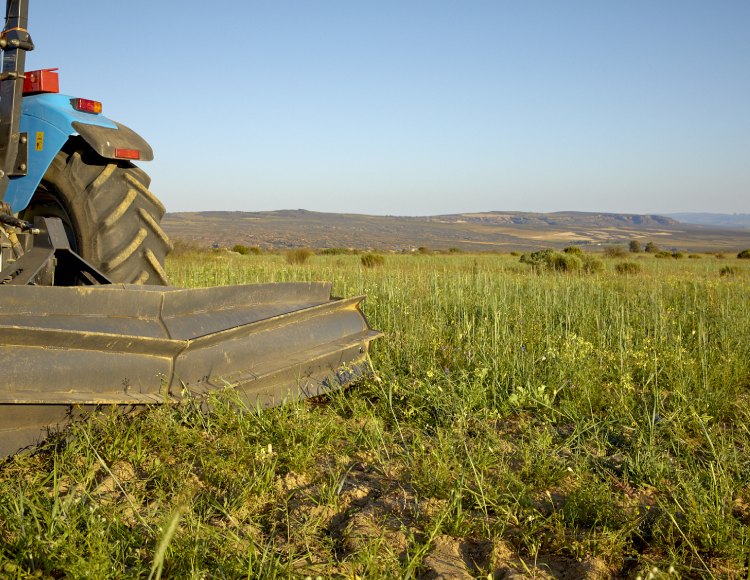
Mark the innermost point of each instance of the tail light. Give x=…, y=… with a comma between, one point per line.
x=127, y=154
x=41, y=81
x=86, y=106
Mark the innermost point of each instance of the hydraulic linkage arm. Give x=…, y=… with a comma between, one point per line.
x=14, y=42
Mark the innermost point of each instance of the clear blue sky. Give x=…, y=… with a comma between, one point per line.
x=420, y=107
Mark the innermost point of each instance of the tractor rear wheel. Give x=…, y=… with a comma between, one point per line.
x=112, y=219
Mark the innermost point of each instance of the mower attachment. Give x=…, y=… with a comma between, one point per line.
x=66, y=347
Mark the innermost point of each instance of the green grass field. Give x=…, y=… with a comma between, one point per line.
x=518, y=424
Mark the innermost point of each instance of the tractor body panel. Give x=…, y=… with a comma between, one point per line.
x=49, y=120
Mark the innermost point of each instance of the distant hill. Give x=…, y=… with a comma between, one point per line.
x=735, y=220
x=485, y=231
x=574, y=219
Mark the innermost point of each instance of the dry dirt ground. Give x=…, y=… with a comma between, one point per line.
x=371, y=506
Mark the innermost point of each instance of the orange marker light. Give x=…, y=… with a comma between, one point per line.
x=86, y=106
x=127, y=154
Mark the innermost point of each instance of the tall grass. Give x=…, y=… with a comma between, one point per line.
x=536, y=418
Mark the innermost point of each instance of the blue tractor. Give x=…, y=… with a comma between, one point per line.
x=61, y=158
x=86, y=318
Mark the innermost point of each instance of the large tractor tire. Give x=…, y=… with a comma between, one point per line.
x=112, y=219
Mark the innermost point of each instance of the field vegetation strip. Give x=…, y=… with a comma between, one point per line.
x=521, y=421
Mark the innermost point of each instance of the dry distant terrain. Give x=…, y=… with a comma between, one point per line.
x=488, y=231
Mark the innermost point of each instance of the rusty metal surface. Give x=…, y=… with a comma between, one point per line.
x=134, y=345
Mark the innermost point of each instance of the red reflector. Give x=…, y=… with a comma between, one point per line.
x=41, y=81
x=86, y=106
x=127, y=153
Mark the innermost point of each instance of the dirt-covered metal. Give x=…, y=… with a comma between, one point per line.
x=66, y=347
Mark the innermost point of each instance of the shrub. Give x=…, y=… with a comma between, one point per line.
x=455, y=251
x=372, y=260
x=514, y=253
x=729, y=271
x=635, y=246
x=592, y=264
x=719, y=256
x=337, y=251
x=240, y=249
x=615, y=252
x=694, y=256
x=564, y=262
x=424, y=250
x=575, y=250
x=663, y=254
x=651, y=248
x=554, y=261
x=183, y=247
x=744, y=255
x=627, y=268
x=678, y=255
x=298, y=256
x=536, y=259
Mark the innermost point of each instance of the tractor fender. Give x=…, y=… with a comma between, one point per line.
x=48, y=120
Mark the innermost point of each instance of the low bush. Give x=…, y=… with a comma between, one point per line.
x=678, y=255
x=729, y=271
x=651, y=248
x=372, y=260
x=592, y=264
x=565, y=263
x=694, y=256
x=615, y=252
x=555, y=261
x=298, y=256
x=575, y=250
x=185, y=247
x=337, y=251
x=536, y=259
x=744, y=255
x=627, y=268
x=663, y=254
x=635, y=246
x=240, y=249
